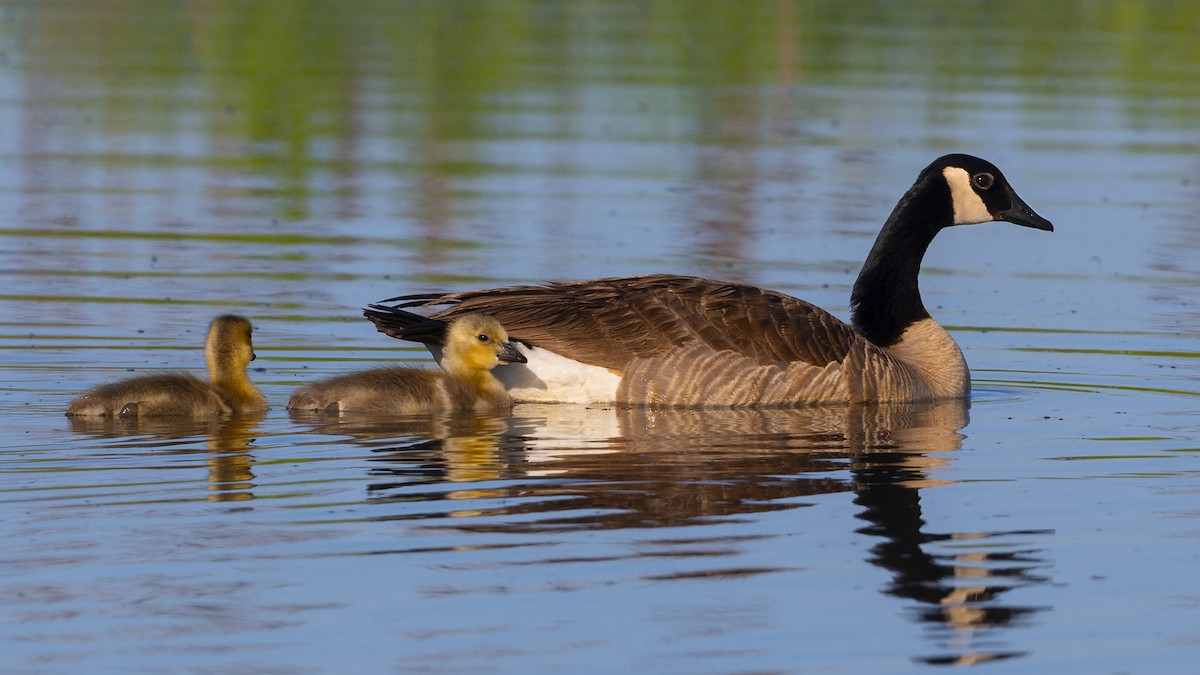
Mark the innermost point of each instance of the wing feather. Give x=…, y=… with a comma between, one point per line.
x=610, y=322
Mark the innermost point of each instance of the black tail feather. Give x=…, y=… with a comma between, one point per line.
x=404, y=325
x=418, y=300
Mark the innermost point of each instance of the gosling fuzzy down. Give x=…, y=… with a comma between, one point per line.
x=474, y=344
x=228, y=350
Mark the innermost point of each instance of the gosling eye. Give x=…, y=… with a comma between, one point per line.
x=484, y=338
x=983, y=181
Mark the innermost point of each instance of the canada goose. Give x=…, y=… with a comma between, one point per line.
x=474, y=344
x=675, y=340
x=228, y=350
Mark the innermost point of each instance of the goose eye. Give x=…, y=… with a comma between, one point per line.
x=484, y=338
x=983, y=181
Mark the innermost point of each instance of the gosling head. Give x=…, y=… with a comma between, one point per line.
x=980, y=193
x=476, y=342
x=229, y=346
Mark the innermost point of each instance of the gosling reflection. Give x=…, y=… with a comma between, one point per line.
x=227, y=444
x=571, y=468
x=421, y=431
x=230, y=462
x=454, y=446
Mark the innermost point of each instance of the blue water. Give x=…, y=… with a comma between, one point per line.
x=294, y=165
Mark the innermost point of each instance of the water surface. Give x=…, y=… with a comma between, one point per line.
x=296, y=161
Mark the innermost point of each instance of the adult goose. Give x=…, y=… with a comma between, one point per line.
x=676, y=340
x=228, y=350
x=473, y=345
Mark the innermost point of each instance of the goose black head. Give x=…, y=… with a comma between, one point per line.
x=980, y=193
x=953, y=190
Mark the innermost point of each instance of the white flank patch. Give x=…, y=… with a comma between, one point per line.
x=550, y=378
x=968, y=207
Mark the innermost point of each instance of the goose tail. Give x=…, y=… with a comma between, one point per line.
x=406, y=325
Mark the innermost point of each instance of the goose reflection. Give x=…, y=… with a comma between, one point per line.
x=557, y=469
x=227, y=444
x=956, y=577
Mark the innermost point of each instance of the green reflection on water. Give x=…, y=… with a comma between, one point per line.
x=1079, y=387
x=244, y=238
x=1050, y=331
x=289, y=89
x=1174, y=354
x=124, y=299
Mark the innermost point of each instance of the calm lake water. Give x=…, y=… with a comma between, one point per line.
x=294, y=161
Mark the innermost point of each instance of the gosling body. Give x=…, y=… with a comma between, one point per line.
x=678, y=340
x=228, y=351
x=473, y=345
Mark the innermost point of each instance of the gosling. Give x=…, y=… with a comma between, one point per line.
x=474, y=344
x=228, y=350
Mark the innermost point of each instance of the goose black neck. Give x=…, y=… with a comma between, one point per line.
x=886, y=298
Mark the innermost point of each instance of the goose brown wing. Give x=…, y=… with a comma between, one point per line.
x=610, y=322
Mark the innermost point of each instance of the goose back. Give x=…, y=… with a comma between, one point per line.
x=610, y=322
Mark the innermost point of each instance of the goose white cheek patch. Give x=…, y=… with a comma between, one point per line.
x=968, y=207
